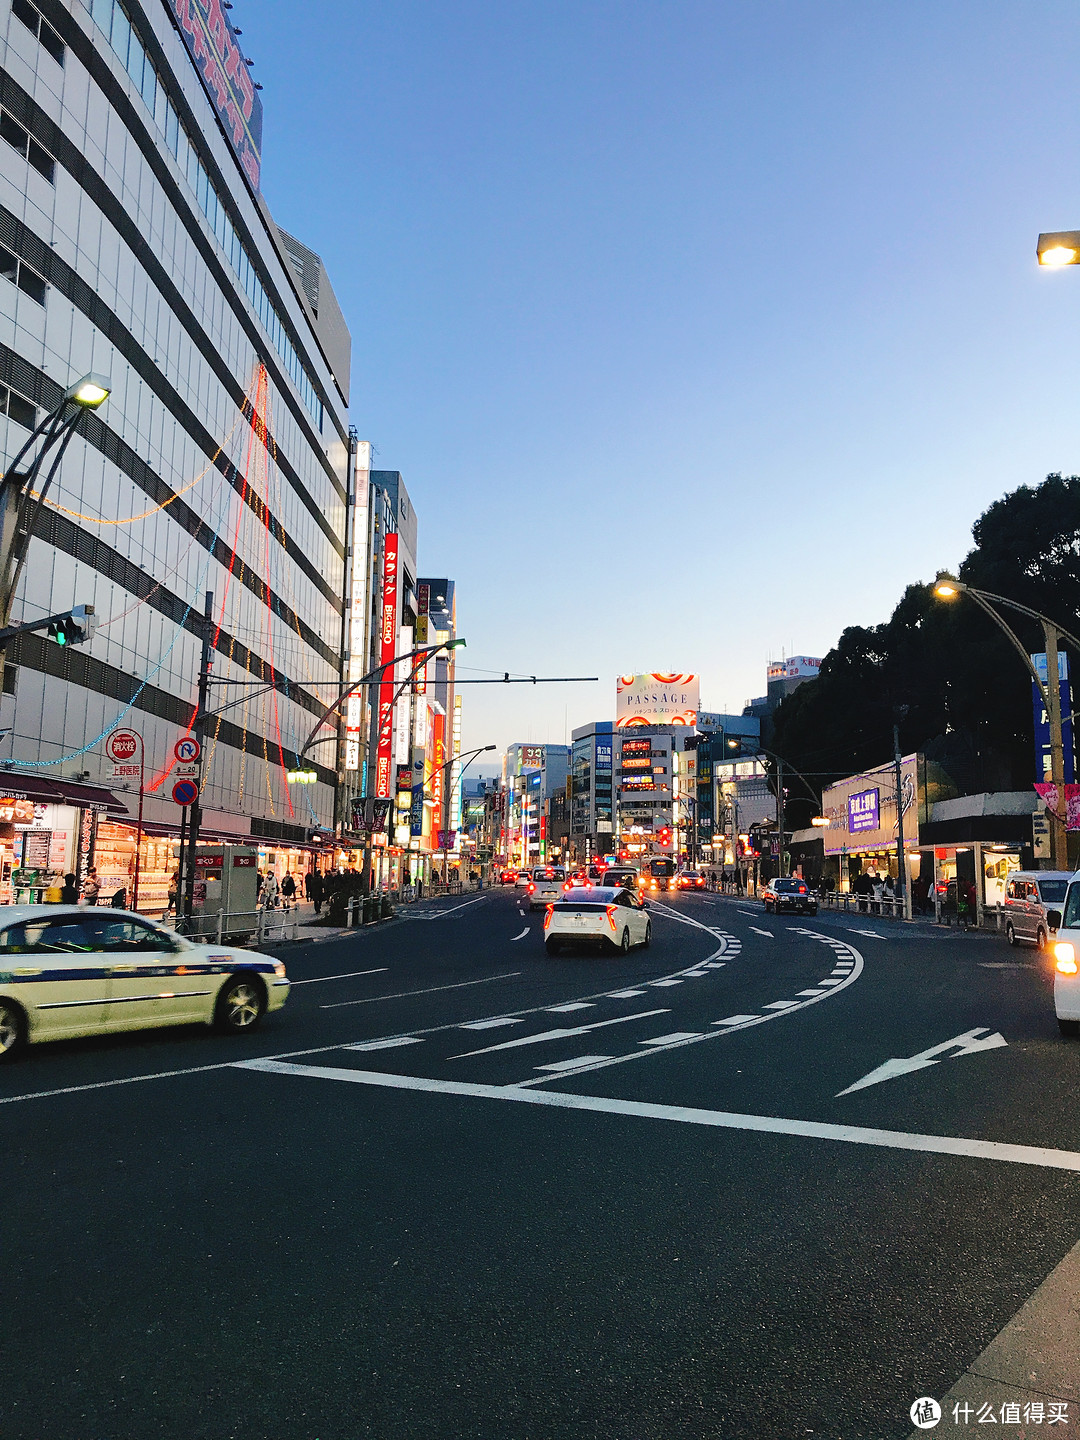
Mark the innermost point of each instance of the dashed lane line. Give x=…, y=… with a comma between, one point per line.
x=430, y=990
x=352, y=974
x=563, y=1033
x=717, y=1119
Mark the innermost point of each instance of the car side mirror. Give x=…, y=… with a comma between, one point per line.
x=1053, y=919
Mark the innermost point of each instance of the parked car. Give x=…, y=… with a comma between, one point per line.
x=613, y=917
x=67, y=971
x=791, y=894
x=1034, y=900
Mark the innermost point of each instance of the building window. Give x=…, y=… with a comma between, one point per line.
x=40, y=28
x=20, y=274
x=17, y=408
x=114, y=24
x=28, y=148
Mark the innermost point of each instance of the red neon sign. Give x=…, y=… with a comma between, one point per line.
x=387, y=639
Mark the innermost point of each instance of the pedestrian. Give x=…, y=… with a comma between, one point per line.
x=419, y=885
x=91, y=887
x=288, y=891
x=69, y=893
x=268, y=894
x=174, y=890
x=315, y=889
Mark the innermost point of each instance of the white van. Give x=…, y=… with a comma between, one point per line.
x=1033, y=900
x=1067, y=962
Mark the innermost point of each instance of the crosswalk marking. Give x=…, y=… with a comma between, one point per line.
x=573, y=1064
x=781, y=1005
x=735, y=1020
x=491, y=1024
x=625, y=994
x=670, y=1039
x=573, y=1005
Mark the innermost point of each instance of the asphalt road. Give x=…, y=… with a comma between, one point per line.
x=459, y=1189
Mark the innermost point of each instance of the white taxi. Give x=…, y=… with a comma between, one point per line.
x=67, y=971
x=609, y=916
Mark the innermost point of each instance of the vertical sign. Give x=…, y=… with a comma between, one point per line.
x=439, y=774
x=1042, y=720
x=212, y=44
x=387, y=637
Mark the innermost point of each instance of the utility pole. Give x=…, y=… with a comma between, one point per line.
x=780, y=808
x=1059, y=842
x=901, y=858
x=198, y=730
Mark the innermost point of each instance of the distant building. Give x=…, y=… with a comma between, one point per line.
x=592, y=811
x=531, y=773
x=645, y=789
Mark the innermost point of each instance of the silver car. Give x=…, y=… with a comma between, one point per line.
x=1030, y=897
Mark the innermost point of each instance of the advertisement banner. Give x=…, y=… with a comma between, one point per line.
x=416, y=808
x=531, y=757
x=387, y=637
x=656, y=699
x=215, y=50
x=861, y=810
x=438, y=777
x=1043, y=768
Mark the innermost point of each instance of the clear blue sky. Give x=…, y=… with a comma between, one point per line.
x=697, y=330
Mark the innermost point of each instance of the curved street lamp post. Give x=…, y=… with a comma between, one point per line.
x=948, y=587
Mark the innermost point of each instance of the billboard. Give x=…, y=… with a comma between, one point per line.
x=861, y=810
x=531, y=757
x=656, y=699
x=795, y=667
x=387, y=639
x=1043, y=768
x=215, y=50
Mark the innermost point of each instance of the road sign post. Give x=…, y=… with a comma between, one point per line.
x=121, y=747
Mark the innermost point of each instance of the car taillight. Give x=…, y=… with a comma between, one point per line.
x=531, y=885
x=568, y=885
x=547, y=916
x=612, y=911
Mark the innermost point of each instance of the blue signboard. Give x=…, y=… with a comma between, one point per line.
x=1042, y=720
x=862, y=811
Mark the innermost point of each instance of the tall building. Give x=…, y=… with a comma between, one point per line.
x=135, y=242
x=592, y=811
x=531, y=773
x=645, y=789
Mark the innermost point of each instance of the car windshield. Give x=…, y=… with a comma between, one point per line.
x=1052, y=891
x=795, y=887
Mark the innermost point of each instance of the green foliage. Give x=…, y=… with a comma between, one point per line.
x=966, y=691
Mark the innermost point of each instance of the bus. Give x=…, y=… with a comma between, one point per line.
x=657, y=873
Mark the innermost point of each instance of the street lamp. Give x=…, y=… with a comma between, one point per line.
x=948, y=587
x=1058, y=248
x=54, y=431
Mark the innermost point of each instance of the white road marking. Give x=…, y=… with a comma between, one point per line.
x=573, y=1005
x=781, y=1005
x=714, y=964
x=624, y=994
x=561, y=1034
x=830, y=981
x=736, y=1020
x=386, y=1044
x=438, y=914
x=666, y=982
x=756, y=931
x=1005, y=965
x=573, y=1064
x=431, y=989
x=675, y=1035
x=967, y=1044
x=491, y=1024
x=521, y=936
x=753, y=913
x=717, y=1119
x=873, y=934
x=319, y=979
x=812, y=994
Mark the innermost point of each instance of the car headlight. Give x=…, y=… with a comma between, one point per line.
x=1065, y=956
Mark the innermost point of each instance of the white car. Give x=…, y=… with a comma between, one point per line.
x=547, y=884
x=606, y=916
x=67, y=971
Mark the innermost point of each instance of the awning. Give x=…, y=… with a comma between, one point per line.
x=49, y=790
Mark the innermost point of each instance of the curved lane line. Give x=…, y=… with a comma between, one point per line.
x=521, y=936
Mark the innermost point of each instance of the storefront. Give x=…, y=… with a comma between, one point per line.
x=49, y=829
x=861, y=832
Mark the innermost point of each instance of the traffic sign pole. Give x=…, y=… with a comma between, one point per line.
x=118, y=747
x=197, y=730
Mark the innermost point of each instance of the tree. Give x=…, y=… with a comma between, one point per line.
x=966, y=691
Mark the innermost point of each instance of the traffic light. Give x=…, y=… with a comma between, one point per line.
x=74, y=629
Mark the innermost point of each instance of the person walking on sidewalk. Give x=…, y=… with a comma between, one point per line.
x=314, y=886
x=288, y=891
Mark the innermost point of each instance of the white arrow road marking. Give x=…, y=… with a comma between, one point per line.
x=966, y=1044
x=872, y=933
x=756, y=931
x=560, y=1034
x=521, y=936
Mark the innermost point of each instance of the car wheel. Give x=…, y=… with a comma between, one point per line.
x=1069, y=1027
x=648, y=935
x=1010, y=933
x=240, y=1005
x=552, y=947
x=1040, y=939
x=12, y=1030
x=624, y=945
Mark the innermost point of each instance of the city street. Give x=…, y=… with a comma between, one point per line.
x=458, y=1188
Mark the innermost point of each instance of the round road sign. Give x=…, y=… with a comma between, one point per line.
x=185, y=792
x=122, y=745
x=187, y=750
